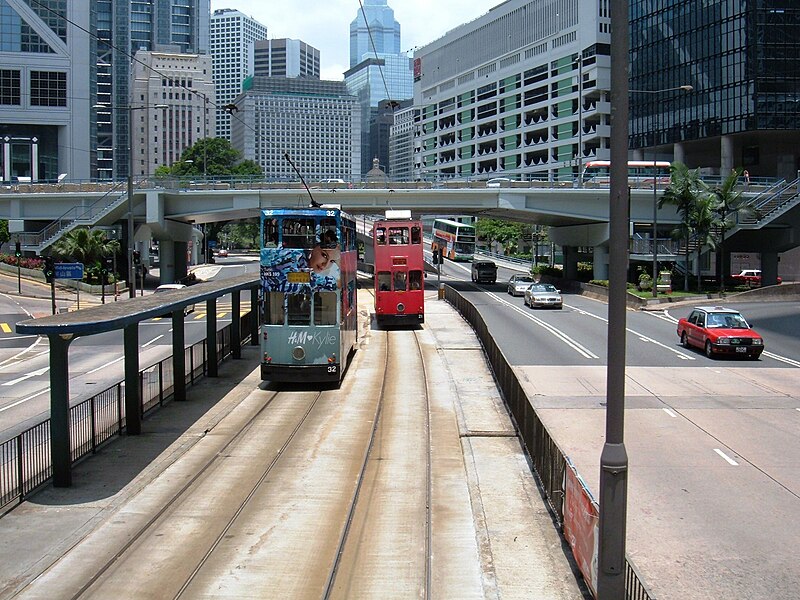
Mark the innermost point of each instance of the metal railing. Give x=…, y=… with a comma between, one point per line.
x=546, y=458
x=25, y=459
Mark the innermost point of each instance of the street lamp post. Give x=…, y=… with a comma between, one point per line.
x=685, y=88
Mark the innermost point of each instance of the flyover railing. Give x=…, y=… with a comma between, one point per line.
x=547, y=459
x=25, y=463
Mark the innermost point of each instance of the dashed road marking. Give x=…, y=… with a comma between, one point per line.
x=727, y=458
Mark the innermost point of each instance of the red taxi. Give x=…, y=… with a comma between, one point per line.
x=717, y=331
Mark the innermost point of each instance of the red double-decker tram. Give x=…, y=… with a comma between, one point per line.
x=399, y=269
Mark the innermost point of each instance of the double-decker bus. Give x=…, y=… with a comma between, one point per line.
x=639, y=171
x=399, y=269
x=453, y=240
x=308, y=280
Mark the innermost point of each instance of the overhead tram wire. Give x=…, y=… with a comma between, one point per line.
x=227, y=107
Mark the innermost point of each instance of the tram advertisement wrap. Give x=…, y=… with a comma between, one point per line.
x=581, y=520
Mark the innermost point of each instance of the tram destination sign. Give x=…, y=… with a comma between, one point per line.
x=68, y=270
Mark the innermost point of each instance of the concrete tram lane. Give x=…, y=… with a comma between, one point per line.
x=490, y=532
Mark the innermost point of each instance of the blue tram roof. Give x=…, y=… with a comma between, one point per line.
x=303, y=212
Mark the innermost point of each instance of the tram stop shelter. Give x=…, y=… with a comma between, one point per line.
x=62, y=329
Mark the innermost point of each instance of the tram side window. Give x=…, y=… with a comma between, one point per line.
x=384, y=281
x=400, y=281
x=274, y=308
x=329, y=238
x=299, y=308
x=380, y=236
x=398, y=236
x=416, y=235
x=325, y=308
x=415, y=280
x=271, y=233
x=298, y=233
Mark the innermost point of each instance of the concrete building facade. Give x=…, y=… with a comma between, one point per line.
x=233, y=38
x=316, y=123
x=181, y=82
x=283, y=57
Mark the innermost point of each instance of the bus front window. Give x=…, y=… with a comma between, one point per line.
x=299, y=308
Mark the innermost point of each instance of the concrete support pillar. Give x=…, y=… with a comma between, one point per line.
x=570, y=262
x=726, y=159
x=181, y=260
x=211, y=337
x=133, y=403
x=600, y=263
x=178, y=355
x=679, y=153
x=60, y=451
x=769, y=268
x=637, y=154
x=166, y=261
x=34, y=160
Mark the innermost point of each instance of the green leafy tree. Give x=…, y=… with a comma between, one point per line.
x=505, y=233
x=4, y=237
x=213, y=157
x=87, y=246
x=684, y=190
x=729, y=206
x=242, y=234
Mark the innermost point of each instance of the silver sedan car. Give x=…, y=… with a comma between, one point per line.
x=518, y=284
x=543, y=295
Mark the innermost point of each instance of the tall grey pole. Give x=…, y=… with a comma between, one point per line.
x=614, y=458
x=655, y=210
x=131, y=271
x=580, y=119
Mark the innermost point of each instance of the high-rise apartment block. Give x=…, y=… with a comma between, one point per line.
x=178, y=91
x=284, y=57
x=507, y=94
x=316, y=123
x=233, y=38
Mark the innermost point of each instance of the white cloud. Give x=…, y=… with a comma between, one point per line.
x=325, y=24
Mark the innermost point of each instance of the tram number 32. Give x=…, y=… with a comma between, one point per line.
x=331, y=368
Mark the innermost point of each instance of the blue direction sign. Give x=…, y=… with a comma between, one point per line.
x=69, y=270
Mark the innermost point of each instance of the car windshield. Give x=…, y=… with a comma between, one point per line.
x=726, y=320
x=524, y=279
x=543, y=287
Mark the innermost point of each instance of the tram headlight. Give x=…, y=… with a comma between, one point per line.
x=298, y=353
x=401, y=307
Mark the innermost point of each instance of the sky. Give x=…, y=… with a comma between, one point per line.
x=325, y=24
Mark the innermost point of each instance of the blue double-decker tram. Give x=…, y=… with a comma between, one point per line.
x=308, y=279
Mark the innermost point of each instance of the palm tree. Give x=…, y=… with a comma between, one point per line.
x=703, y=220
x=87, y=246
x=729, y=206
x=684, y=189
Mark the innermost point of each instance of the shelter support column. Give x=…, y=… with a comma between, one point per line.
x=211, y=337
x=133, y=405
x=254, y=337
x=178, y=355
x=60, y=451
x=769, y=268
x=600, y=263
x=570, y=262
x=236, y=324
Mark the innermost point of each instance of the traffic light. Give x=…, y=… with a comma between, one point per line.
x=137, y=257
x=18, y=251
x=49, y=269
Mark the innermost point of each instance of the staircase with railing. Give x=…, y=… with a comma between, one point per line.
x=77, y=216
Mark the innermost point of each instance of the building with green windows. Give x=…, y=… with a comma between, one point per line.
x=520, y=92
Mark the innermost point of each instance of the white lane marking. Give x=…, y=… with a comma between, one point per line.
x=18, y=402
x=670, y=412
x=17, y=337
x=155, y=339
x=105, y=366
x=726, y=457
x=783, y=359
x=580, y=349
x=35, y=373
x=679, y=353
x=18, y=356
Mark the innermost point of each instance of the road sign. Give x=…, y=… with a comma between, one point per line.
x=212, y=243
x=69, y=270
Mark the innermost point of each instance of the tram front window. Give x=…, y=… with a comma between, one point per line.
x=400, y=281
x=274, y=308
x=324, y=308
x=416, y=235
x=299, y=309
x=384, y=281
